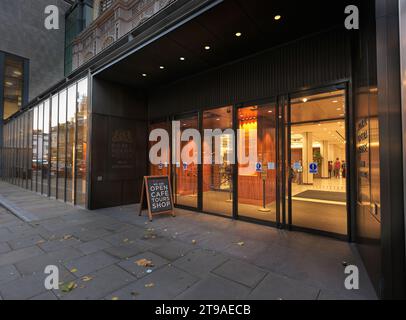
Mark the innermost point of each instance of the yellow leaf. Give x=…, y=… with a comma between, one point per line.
x=241, y=244
x=125, y=240
x=149, y=285
x=74, y=270
x=86, y=279
x=114, y=298
x=194, y=241
x=68, y=287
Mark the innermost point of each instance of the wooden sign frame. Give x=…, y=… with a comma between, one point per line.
x=146, y=190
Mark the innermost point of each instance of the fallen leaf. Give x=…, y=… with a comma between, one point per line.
x=86, y=279
x=125, y=240
x=194, y=241
x=74, y=270
x=114, y=298
x=144, y=263
x=149, y=285
x=41, y=242
x=68, y=287
x=241, y=244
x=67, y=237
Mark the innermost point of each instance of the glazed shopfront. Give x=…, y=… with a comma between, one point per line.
x=291, y=133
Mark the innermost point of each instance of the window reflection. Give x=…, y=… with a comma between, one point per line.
x=45, y=148
x=185, y=178
x=81, y=144
x=70, y=143
x=13, y=85
x=53, y=165
x=218, y=177
x=257, y=185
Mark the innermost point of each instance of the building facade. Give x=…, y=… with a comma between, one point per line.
x=324, y=103
x=31, y=56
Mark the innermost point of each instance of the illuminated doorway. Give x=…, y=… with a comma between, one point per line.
x=318, y=162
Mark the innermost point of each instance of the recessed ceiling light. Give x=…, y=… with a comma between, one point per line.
x=305, y=100
x=334, y=101
x=238, y=34
x=218, y=119
x=270, y=111
x=182, y=58
x=338, y=109
x=144, y=74
x=161, y=67
x=277, y=17
x=207, y=48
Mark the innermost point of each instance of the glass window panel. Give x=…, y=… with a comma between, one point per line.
x=19, y=151
x=330, y=105
x=218, y=177
x=62, y=146
x=30, y=148
x=45, y=153
x=257, y=186
x=54, y=147
x=81, y=143
x=186, y=174
x=70, y=152
x=40, y=144
x=13, y=85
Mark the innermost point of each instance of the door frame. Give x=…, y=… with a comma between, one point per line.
x=349, y=131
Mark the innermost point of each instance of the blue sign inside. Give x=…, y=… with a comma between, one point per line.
x=259, y=167
x=314, y=168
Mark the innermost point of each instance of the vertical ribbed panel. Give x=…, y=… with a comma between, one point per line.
x=314, y=61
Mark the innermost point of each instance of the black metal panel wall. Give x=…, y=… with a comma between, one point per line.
x=119, y=144
x=391, y=148
x=367, y=176
x=317, y=60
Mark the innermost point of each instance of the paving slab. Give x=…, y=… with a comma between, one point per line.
x=8, y=273
x=46, y=296
x=58, y=244
x=102, y=283
x=276, y=287
x=38, y=263
x=213, y=287
x=126, y=250
x=173, y=250
x=241, y=272
x=135, y=269
x=23, y=288
x=19, y=255
x=93, y=246
x=164, y=284
x=25, y=242
x=200, y=262
x=4, y=248
x=90, y=263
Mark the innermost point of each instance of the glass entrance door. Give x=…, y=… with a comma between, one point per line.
x=185, y=179
x=318, y=162
x=257, y=192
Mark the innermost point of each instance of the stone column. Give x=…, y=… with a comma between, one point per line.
x=325, y=155
x=307, y=157
x=96, y=9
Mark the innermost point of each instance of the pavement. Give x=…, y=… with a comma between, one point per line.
x=114, y=254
